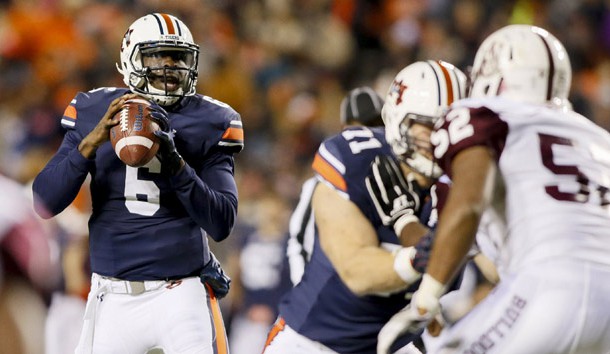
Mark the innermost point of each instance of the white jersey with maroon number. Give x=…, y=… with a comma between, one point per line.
x=549, y=229
x=555, y=170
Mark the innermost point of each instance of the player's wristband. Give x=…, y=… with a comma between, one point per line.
x=428, y=295
x=403, y=266
x=403, y=221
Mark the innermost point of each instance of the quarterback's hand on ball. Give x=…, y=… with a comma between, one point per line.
x=101, y=133
x=171, y=161
x=159, y=115
x=213, y=275
x=395, y=197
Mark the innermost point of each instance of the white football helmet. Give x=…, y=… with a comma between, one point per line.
x=523, y=63
x=420, y=93
x=159, y=34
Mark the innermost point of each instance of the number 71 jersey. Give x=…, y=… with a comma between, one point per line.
x=343, y=161
x=554, y=177
x=321, y=307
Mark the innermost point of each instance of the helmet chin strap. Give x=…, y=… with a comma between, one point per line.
x=424, y=166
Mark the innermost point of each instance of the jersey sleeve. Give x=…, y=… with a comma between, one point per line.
x=68, y=120
x=329, y=167
x=206, y=186
x=226, y=120
x=210, y=195
x=465, y=127
x=344, y=160
x=87, y=108
x=60, y=180
x=56, y=186
x=232, y=139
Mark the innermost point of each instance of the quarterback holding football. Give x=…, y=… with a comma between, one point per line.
x=148, y=232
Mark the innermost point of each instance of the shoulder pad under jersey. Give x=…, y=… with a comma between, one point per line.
x=343, y=160
x=228, y=121
x=89, y=105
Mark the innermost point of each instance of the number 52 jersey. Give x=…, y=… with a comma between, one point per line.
x=554, y=173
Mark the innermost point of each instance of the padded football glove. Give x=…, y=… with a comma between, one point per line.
x=171, y=161
x=396, y=198
x=159, y=116
x=213, y=275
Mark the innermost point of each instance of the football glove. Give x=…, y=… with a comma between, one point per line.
x=171, y=161
x=422, y=252
x=213, y=275
x=395, y=197
x=159, y=115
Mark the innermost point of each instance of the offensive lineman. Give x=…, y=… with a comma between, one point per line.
x=360, y=269
x=149, y=225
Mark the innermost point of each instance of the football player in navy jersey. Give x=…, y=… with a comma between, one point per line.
x=361, y=266
x=149, y=225
x=361, y=106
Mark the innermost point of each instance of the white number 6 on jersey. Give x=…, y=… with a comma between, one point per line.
x=142, y=196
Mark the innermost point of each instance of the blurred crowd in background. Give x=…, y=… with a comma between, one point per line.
x=284, y=65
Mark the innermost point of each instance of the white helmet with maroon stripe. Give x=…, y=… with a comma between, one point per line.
x=420, y=93
x=159, y=35
x=523, y=63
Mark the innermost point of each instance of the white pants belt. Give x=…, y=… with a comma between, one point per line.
x=116, y=286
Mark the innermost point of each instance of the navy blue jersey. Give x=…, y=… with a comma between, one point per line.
x=144, y=224
x=321, y=307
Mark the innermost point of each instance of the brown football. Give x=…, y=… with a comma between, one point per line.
x=133, y=139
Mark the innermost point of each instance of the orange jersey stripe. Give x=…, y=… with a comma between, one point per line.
x=277, y=328
x=233, y=134
x=169, y=24
x=328, y=172
x=70, y=112
x=219, y=327
x=449, y=83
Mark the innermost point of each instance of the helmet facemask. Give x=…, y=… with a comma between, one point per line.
x=414, y=147
x=162, y=83
x=159, y=59
x=419, y=96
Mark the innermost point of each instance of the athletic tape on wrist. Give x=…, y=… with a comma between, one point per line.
x=428, y=295
x=403, y=266
x=404, y=221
